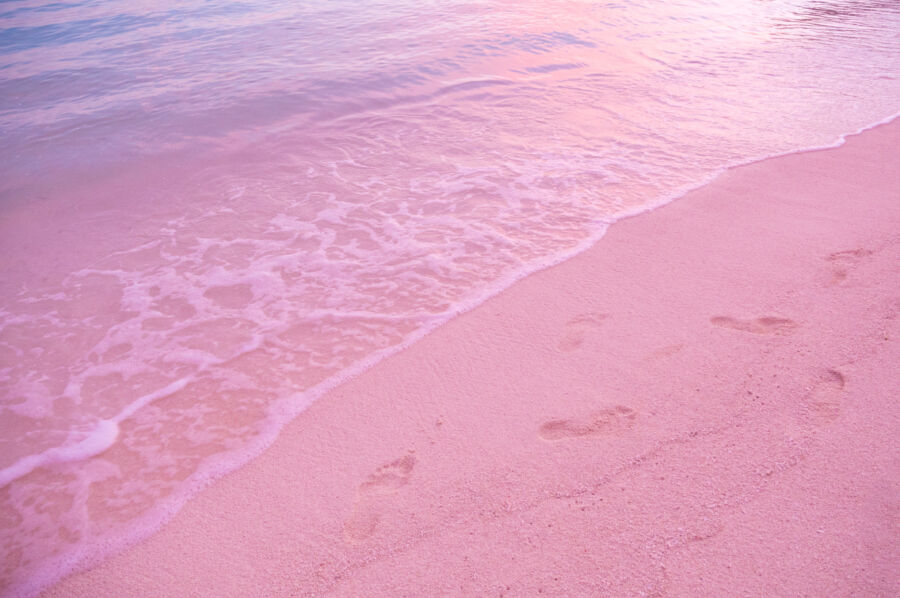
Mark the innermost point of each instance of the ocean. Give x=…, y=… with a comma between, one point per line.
x=213, y=212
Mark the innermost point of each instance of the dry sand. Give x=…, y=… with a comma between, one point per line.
x=704, y=404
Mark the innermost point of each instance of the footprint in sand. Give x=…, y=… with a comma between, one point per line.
x=843, y=261
x=577, y=329
x=823, y=402
x=612, y=420
x=663, y=352
x=763, y=325
x=384, y=481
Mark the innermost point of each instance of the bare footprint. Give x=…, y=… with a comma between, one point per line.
x=843, y=261
x=389, y=478
x=612, y=420
x=385, y=480
x=763, y=325
x=577, y=329
x=666, y=351
x=823, y=403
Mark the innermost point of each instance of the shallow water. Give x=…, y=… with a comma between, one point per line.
x=212, y=212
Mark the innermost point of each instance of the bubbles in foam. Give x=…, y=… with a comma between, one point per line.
x=98, y=440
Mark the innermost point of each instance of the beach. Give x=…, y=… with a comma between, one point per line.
x=439, y=276
x=702, y=404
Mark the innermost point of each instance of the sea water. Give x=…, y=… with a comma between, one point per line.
x=212, y=211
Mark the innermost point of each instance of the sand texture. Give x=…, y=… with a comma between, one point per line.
x=704, y=404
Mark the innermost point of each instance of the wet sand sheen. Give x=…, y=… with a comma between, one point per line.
x=701, y=405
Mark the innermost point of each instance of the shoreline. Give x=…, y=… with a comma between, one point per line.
x=411, y=453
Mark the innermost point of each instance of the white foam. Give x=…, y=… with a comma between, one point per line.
x=98, y=440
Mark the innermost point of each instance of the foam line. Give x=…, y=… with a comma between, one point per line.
x=106, y=431
x=102, y=437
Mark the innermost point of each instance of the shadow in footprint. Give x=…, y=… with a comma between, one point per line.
x=823, y=403
x=763, y=325
x=613, y=420
x=577, y=329
x=663, y=352
x=843, y=261
x=384, y=481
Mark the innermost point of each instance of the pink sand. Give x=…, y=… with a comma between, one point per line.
x=705, y=404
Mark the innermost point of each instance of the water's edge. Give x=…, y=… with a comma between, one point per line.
x=288, y=408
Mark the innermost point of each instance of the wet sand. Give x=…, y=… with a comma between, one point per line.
x=704, y=404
